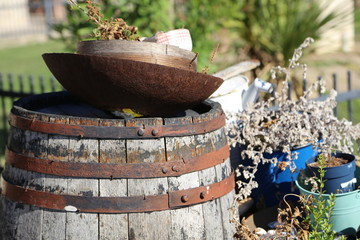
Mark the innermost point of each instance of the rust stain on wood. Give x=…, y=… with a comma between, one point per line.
x=90, y=204
x=120, y=170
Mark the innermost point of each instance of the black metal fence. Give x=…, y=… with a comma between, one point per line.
x=14, y=87
x=347, y=97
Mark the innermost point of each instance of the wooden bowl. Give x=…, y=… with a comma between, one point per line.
x=114, y=84
x=150, y=52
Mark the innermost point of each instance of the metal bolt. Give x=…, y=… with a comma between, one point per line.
x=164, y=170
x=202, y=195
x=154, y=132
x=184, y=198
x=175, y=168
x=140, y=132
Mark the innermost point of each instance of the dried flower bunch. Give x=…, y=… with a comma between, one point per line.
x=108, y=29
x=263, y=129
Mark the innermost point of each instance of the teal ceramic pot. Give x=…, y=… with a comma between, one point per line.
x=345, y=218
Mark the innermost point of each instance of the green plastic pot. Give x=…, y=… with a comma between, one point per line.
x=346, y=213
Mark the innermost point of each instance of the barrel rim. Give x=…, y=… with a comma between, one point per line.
x=26, y=119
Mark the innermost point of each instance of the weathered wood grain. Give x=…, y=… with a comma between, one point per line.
x=150, y=52
x=112, y=226
x=54, y=222
x=82, y=225
x=186, y=223
x=212, y=210
x=223, y=171
x=152, y=225
x=209, y=142
x=207, y=220
x=22, y=221
x=33, y=144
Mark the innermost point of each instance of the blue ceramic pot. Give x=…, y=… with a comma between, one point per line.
x=339, y=179
x=273, y=182
x=284, y=179
x=285, y=176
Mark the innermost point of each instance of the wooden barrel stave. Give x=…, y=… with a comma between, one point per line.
x=146, y=225
x=55, y=222
x=207, y=219
x=19, y=214
x=113, y=151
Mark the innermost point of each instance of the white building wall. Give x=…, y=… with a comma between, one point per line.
x=339, y=34
x=14, y=16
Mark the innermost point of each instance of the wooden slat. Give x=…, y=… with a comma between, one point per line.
x=349, y=102
x=22, y=221
x=83, y=225
x=54, y=222
x=212, y=209
x=154, y=225
x=186, y=223
x=238, y=68
x=209, y=142
x=222, y=171
x=334, y=78
x=112, y=226
x=33, y=144
x=343, y=96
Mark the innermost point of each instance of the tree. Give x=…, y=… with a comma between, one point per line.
x=272, y=29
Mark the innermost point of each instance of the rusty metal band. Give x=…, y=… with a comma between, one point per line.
x=118, y=170
x=173, y=199
x=110, y=132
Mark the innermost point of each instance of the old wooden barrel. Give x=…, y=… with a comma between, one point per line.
x=76, y=172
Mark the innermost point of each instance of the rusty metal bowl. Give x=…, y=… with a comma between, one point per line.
x=114, y=84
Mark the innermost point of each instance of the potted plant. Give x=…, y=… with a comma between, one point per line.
x=269, y=133
x=262, y=130
x=334, y=212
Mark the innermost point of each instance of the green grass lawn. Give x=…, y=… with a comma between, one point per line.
x=357, y=24
x=27, y=59
x=343, y=112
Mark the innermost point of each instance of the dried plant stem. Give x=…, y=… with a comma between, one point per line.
x=213, y=54
x=107, y=29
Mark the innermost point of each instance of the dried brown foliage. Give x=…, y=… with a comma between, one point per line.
x=291, y=218
x=108, y=29
x=243, y=232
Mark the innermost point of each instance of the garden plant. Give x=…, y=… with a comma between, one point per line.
x=263, y=128
x=291, y=20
